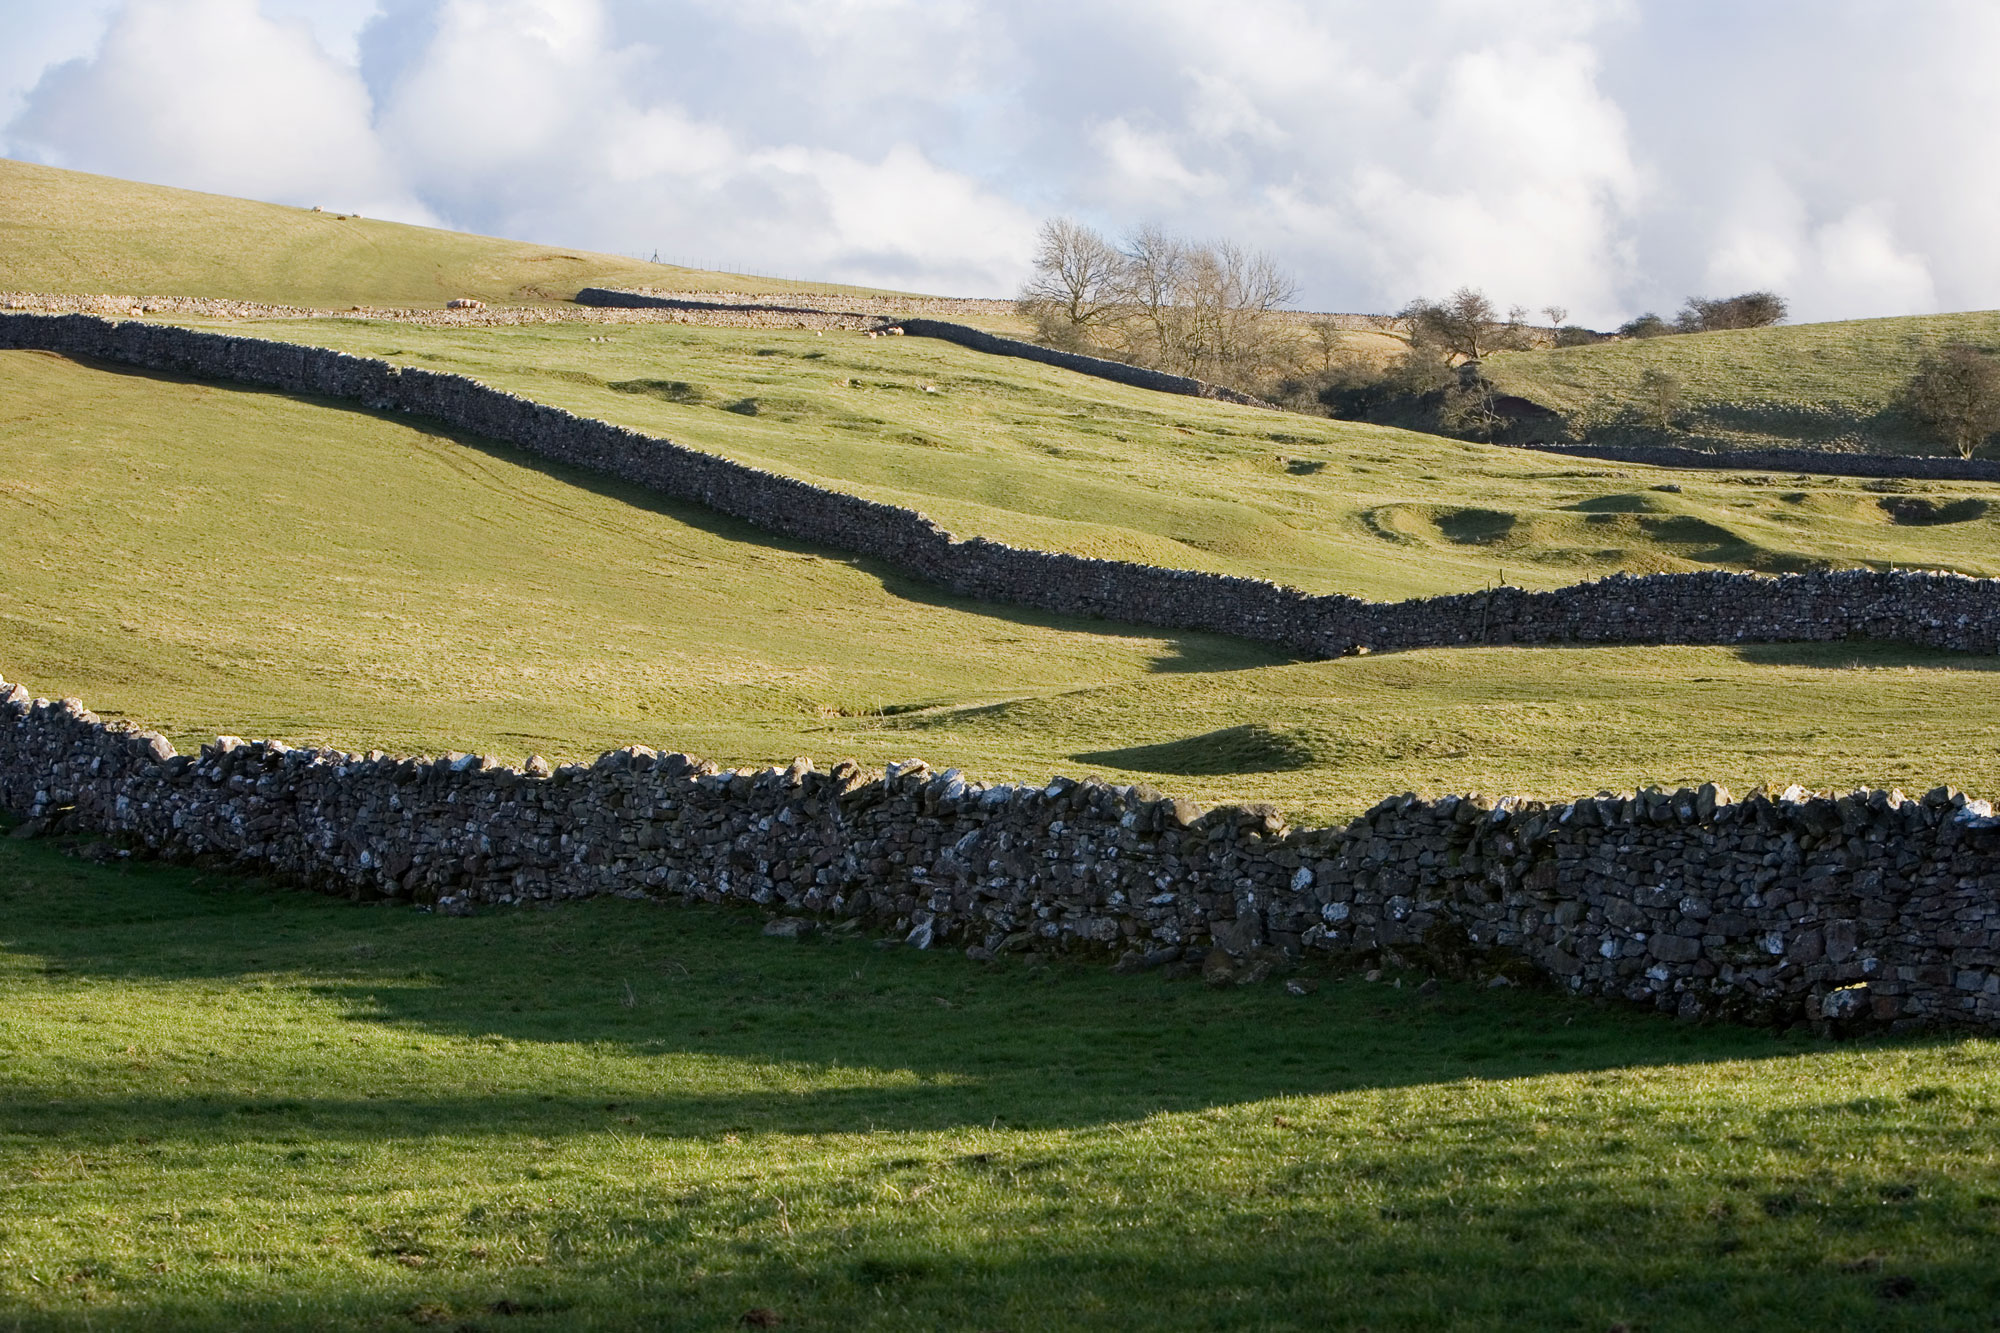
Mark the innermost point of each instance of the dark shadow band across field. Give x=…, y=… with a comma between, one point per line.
x=981, y=1045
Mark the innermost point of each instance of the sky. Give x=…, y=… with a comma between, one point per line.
x=1604, y=156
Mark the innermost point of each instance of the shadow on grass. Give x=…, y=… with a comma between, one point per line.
x=1851, y=655
x=1307, y=1271
x=1253, y=747
x=866, y=1037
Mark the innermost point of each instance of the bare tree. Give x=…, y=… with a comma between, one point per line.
x=1152, y=273
x=1956, y=392
x=1329, y=340
x=1558, y=315
x=1467, y=326
x=1075, y=289
x=1469, y=409
x=1228, y=299
x=1751, y=310
x=1204, y=310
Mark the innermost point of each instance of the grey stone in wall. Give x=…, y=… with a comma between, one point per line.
x=1867, y=907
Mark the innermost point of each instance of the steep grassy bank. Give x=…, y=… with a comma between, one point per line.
x=208, y=559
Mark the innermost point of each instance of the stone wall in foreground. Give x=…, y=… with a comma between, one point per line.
x=1928, y=610
x=1862, y=909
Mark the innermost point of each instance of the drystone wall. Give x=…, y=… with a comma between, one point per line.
x=1117, y=371
x=963, y=334
x=480, y=316
x=877, y=310
x=1869, y=908
x=1929, y=610
x=1823, y=462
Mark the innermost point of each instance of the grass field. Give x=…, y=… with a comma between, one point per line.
x=1800, y=386
x=228, y=1106
x=66, y=231
x=209, y=560
x=1041, y=457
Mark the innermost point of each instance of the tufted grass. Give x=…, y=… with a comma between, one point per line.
x=68, y=231
x=205, y=560
x=223, y=1105
x=1809, y=386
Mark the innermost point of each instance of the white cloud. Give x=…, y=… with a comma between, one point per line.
x=1607, y=155
x=524, y=119
x=212, y=95
x=1144, y=168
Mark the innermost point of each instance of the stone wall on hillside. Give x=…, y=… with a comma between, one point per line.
x=963, y=334
x=1866, y=908
x=1823, y=462
x=1116, y=371
x=1923, y=609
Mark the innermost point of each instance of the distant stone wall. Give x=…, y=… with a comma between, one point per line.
x=963, y=334
x=877, y=309
x=1869, y=908
x=1928, y=610
x=1823, y=462
x=1117, y=371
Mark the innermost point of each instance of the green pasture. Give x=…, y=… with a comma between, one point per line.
x=1047, y=458
x=67, y=231
x=1804, y=386
x=207, y=559
x=223, y=1105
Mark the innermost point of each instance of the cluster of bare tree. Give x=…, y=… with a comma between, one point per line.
x=1701, y=314
x=1204, y=309
x=1468, y=326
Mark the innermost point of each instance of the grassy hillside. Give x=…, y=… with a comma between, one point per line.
x=66, y=231
x=210, y=559
x=1801, y=386
x=223, y=1106
x=1040, y=457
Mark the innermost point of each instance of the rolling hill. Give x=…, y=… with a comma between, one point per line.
x=1039, y=457
x=211, y=559
x=1813, y=386
x=226, y=1105
x=68, y=231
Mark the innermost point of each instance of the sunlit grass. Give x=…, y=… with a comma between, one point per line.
x=1794, y=386
x=222, y=1105
x=68, y=231
x=205, y=560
